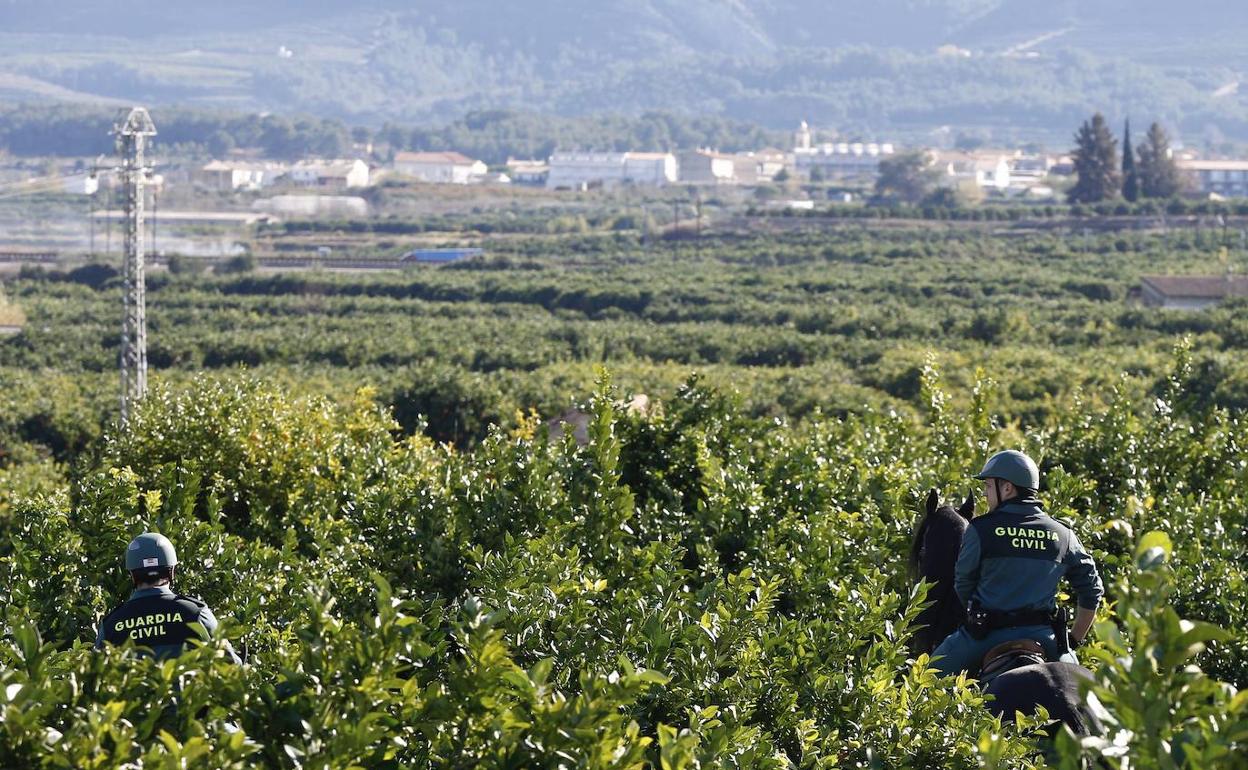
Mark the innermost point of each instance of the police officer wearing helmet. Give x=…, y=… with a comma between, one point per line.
x=155, y=617
x=1009, y=568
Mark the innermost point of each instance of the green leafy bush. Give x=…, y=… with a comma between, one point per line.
x=693, y=587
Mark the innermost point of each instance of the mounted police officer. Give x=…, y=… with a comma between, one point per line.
x=1008, y=570
x=155, y=617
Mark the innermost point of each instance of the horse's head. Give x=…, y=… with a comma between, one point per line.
x=936, y=513
x=933, y=554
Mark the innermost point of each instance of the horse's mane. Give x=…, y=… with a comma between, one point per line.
x=933, y=554
x=935, y=511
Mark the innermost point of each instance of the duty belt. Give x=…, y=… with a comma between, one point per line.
x=997, y=620
x=980, y=622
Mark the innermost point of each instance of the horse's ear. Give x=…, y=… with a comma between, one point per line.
x=933, y=501
x=967, y=509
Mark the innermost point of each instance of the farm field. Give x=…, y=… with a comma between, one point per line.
x=358, y=474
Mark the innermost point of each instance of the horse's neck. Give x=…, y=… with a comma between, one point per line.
x=942, y=540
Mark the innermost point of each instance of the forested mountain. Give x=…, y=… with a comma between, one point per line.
x=889, y=66
x=703, y=25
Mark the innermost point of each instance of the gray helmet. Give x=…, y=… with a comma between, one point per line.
x=150, y=550
x=1012, y=466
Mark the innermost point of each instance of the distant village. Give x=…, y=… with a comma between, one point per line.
x=847, y=171
x=983, y=173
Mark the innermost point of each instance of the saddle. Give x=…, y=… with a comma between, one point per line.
x=1010, y=655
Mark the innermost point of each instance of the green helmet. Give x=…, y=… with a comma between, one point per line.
x=1012, y=466
x=150, y=550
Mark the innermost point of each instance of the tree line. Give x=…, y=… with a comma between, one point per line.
x=76, y=131
x=496, y=135
x=492, y=135
x=1147, y=171
x=1102, y=175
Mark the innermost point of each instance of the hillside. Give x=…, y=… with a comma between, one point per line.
x=1020, y=69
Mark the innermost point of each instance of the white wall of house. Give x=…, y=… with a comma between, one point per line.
x=844, y=159
x=442, y=172
x=578, y=169
x=650, y=168
x=358, y=175
x=609, y=169
x=340, y=173
x=704, y=167
x=226, y=175
x=997, y=177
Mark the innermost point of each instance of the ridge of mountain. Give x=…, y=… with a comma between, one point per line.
x=700, y=24
x=907, y=66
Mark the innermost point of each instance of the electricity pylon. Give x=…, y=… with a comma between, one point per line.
x=132, y=134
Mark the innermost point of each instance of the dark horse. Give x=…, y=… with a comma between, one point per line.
x=933, y=555
x=932, y=558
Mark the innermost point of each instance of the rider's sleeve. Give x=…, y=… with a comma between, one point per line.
x=99, y=635
x=209, y=622
x=966, y=572
x=1082, y=574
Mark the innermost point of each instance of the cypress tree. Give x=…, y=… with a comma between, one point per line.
x=1159, y=176
x=1096, y=163
x=1130, y=177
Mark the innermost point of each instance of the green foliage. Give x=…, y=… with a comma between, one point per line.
x=1131, y=188
x=825, y=316
x=1096, y=163
x=1160, y=711
x=243, y=263
x=692, y=587
x=1158, y=171
x=906, y=177
x=419, y=576
x=497, y=135
x=77, y=130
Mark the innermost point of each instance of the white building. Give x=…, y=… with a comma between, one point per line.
x=842, y=160
x=707, y=167
x=80, y=184
x=758, y=167
x=999, y=172
x=982, y=170
x=1228, y=178
x=650, y=168
x=577, y=170
x=330, y=174
x=440, y=167
x=528, y=172
x=802, y=137
x=1030, y=169
x=240, y=175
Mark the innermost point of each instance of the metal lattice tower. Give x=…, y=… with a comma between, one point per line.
x=132, y=134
